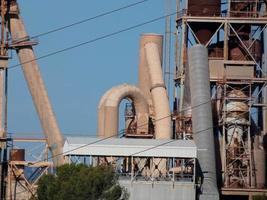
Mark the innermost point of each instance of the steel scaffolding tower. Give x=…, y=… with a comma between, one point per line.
x=233, y=32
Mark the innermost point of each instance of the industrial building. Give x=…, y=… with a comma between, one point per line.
x=209, y=145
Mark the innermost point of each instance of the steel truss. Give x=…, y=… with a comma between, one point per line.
x=237, y=162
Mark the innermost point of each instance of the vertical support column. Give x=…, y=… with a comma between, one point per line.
x=182, y=61
x=167, y=45
x=252, y=180
x=225, y=46
x=224, y=167
x=2, y=102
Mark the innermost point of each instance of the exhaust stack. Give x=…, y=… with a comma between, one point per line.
x=158, y=92
x=144, y=82
x=202, y=120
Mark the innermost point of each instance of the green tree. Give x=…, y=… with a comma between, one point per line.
x=263, y=197
x=79, y=182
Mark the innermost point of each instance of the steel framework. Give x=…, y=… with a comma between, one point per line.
x=236, y=65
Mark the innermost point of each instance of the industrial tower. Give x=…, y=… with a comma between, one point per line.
x=234, y=32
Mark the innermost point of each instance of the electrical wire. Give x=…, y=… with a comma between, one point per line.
x=122, y=132
x=88, y=19
x=93, y=40
x=168, y=142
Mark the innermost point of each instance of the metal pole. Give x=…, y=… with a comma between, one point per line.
x=167, y=45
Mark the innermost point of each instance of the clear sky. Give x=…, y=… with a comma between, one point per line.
x=77, y=79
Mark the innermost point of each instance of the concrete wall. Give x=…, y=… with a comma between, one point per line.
x=147, y=190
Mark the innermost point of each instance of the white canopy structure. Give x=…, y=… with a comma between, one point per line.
x=82, y=146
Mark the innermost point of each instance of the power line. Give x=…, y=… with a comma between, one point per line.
x=93, y=40
x=89, y=19
x=121, y=133
x=168, y=142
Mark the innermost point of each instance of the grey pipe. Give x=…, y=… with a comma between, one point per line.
x=36, y=86
x=202, y=120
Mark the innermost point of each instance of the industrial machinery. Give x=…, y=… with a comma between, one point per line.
x=212, y=144
x=150, y=100
x=220, y=94
x=15, y=37
x=234, y=32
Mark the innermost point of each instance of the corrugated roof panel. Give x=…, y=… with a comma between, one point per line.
x=129, y=147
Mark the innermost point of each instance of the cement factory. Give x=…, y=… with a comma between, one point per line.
x=207, y=142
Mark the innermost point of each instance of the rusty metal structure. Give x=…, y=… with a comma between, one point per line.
x=22, y=174
x=220, y=102
x=234, y=32
x=14, y=37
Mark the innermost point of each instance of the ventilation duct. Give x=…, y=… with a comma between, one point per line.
x=108, y=116
x=159, y=94
x=202, y=120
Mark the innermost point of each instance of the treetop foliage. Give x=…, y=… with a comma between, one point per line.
x=80, y=182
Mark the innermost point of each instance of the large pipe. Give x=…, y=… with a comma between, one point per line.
x=144, y=82
x=101, y=111
x=202, y=120
x=36, y=85
x=109, y=108
x=158, y=92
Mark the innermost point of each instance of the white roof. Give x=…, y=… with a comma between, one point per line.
x=129, y=147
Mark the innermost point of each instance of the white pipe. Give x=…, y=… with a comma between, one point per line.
x=36, y=86
x=159, y=93
x=101, y=113
x=144, y=82
x=109, y=108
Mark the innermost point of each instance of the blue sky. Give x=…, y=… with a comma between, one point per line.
x=77, y=79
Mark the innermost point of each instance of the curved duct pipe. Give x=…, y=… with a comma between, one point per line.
x=158, y=92
x=144, y=82
x=109, y=110
x=202, y=120
x=35, y=83
x=101, y=113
